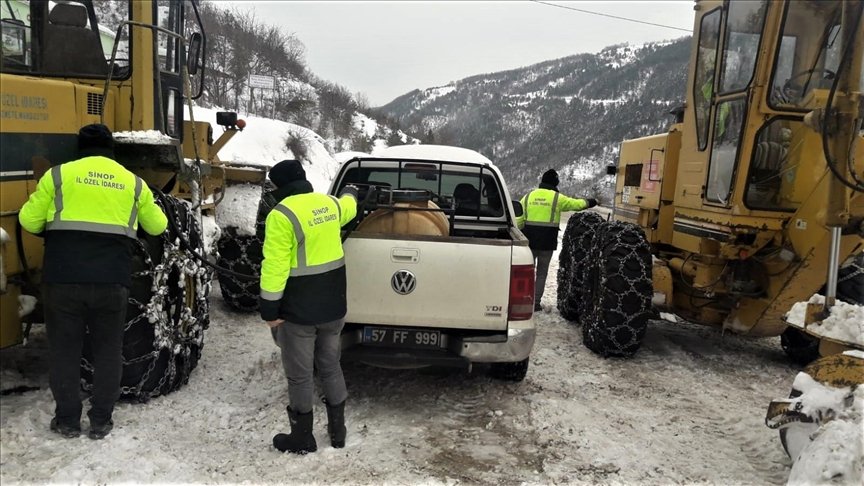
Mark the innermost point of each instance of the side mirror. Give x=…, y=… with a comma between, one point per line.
x=193, y=57
x=611, y=169
x=517, y=208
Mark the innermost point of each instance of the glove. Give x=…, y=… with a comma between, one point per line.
x=591, y=202
x=350, y=189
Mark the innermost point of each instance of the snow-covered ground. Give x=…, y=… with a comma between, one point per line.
x=689, y=408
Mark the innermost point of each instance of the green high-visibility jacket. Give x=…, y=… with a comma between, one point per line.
x=93, y=194
x=303, y=272
x=541, y=216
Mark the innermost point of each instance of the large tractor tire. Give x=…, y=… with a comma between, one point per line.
x=619, y=291
x=573, y=260
x=802, y=348
x=168, y=309
x=241, y=254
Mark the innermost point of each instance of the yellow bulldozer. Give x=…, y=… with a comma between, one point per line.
x=135, y=67
x=753, y=199
x=751, y=202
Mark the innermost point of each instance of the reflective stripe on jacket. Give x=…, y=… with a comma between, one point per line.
x=94, y=194
x=541, y=216
x=303, y=275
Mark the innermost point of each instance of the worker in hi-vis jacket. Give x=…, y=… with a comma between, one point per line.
x=540, y=218
x=303, y=287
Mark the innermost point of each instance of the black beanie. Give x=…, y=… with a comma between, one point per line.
x=95, y=138
x=287, y=171
x=550, y=177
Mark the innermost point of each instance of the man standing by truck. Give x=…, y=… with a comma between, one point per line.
x=539, y=222
x=303, y=296
x=89, y=210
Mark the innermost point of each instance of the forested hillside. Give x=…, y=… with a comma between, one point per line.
x=569, y=113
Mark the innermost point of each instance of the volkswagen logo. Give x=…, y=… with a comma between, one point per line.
x=403, y=282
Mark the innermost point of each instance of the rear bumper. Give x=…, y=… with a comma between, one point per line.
x=517, y=347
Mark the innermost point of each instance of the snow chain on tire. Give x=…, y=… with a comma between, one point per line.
x=573, y=260
x=619, y=280
x=242, y=254
x=168, y=310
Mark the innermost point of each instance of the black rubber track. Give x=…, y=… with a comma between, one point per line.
x=573, y=258
x=619, y=279
x=168, y=311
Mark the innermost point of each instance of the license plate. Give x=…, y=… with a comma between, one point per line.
x=408, y=338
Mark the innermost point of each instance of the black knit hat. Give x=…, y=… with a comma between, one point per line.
x=95, y=138
x=287, y=171
x=550, y=177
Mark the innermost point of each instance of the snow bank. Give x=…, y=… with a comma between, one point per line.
x=239, y=208
x=210, y=233
x=836, y=454
x=265, y=142
x=846, y=322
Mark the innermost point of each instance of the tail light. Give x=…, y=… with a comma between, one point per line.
x=521, y=306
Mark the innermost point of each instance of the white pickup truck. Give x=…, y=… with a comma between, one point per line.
x=452, y=286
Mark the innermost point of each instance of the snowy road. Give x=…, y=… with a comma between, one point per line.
x=688, y=409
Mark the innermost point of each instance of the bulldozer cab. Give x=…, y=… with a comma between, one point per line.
x=756, y=69
x=757, y=190
x=76, y=39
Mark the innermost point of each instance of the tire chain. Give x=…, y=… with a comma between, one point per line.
x=619, y=274
x=573, y=260
x=241, y=294
x=181, y=337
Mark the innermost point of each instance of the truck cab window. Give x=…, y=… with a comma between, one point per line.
x=743, y=33
x=808, y=54
x=706, y=62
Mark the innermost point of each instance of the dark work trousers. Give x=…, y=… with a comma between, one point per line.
x=306, y=347
x=542, y=259
x=70, y=311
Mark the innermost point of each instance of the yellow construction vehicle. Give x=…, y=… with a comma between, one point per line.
x=753, y=199
x=133, y=66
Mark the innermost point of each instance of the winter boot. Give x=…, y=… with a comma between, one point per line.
x=98, y=431
x=300, y=440
x=336, y=424
x=68, y=431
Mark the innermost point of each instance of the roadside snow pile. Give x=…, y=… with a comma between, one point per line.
x=836, y=453
x=210, y=233
x=239, y=208
x=846, y=322
x=265, y=142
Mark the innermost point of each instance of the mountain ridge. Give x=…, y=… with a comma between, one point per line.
x=569, y=113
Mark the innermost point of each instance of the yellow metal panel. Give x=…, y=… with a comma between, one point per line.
x=31, y=105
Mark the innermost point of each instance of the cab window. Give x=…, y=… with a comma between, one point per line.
x=808, y=54
x=706, y=62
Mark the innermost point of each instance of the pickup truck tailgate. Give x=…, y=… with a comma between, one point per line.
x=445, y=284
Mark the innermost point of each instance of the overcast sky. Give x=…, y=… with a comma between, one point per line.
x=385, y=49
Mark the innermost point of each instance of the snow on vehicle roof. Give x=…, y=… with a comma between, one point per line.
x=433, y=152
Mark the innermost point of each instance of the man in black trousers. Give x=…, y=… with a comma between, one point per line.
x=88, y=211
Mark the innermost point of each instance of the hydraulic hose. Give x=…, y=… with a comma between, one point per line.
x=184, y=243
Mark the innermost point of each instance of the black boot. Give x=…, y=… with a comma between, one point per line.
x=336, y=424
x=300, y=440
